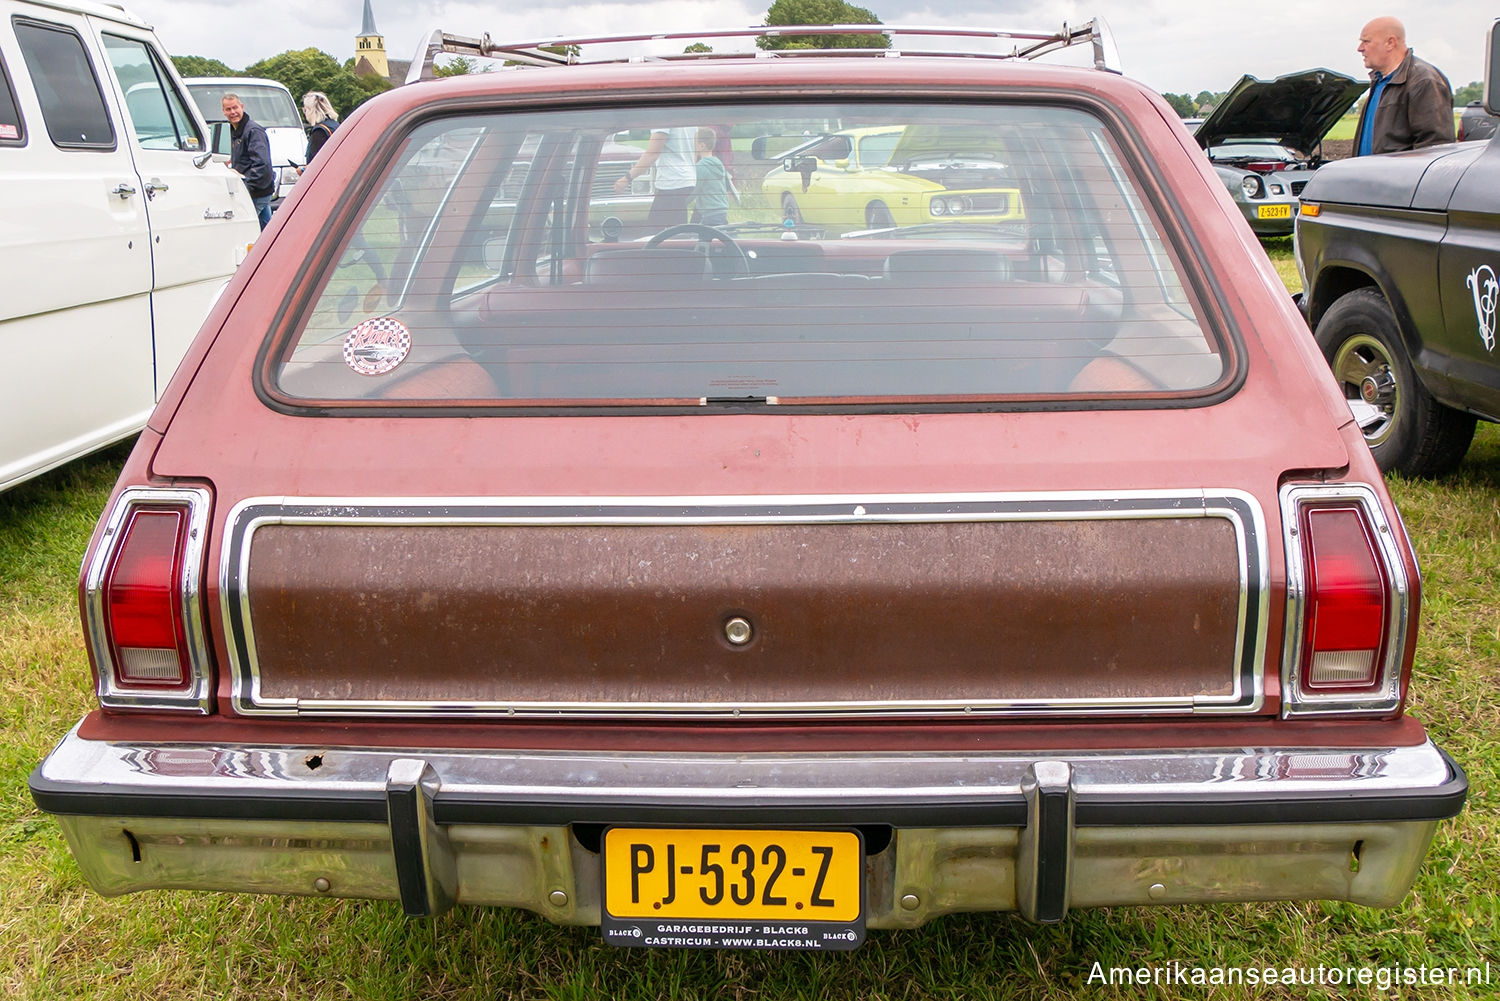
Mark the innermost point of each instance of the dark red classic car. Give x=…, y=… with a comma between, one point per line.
x=754, y=584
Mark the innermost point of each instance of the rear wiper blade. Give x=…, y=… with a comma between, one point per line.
x=738, y=401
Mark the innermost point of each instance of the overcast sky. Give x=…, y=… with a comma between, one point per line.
x=1182, y=46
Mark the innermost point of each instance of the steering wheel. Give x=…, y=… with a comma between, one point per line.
x=706, y=236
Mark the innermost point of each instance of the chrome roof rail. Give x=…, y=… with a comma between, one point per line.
x=566, y=50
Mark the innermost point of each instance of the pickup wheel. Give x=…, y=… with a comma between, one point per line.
x=1408, y=431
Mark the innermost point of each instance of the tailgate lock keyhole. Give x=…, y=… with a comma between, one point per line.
x=738, y=630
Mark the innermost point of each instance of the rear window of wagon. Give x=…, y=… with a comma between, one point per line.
x=787, y=254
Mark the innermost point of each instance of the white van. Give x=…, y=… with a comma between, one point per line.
x=268, y=103
x=117, y=229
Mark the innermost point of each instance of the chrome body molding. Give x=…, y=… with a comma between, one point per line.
x=197, y=695
x=1386, y=697
x=1238, y=508
x=1047, y=832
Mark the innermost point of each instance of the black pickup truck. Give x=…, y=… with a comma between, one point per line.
x=1399, y=256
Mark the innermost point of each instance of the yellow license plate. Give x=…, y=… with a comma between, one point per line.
x=1274, y=212
x=716, y=888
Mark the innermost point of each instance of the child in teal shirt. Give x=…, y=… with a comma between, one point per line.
x=714, y=189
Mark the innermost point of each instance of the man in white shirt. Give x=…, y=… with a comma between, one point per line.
x=671, y=152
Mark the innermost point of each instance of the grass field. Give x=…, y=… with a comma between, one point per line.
x=1344, y=127
x=59, y=940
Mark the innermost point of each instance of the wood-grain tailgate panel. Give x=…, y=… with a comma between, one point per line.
x=1025, y=610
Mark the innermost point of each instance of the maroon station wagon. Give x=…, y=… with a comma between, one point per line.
x=755, y=583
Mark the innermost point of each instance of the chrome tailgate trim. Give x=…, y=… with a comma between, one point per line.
x=1238, y=508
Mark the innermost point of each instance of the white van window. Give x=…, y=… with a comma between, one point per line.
x=72, y=104
x=12, y=129
x=272, y=107
x=158, y=115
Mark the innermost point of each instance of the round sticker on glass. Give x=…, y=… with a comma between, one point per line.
x=377, y=346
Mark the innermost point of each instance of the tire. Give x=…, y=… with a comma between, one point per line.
x=789, y=209
x=1408, y=431
x=877, y=216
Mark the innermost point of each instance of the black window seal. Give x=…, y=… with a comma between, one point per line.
x=20, y=139
x=167, y=86
x=1159, y=199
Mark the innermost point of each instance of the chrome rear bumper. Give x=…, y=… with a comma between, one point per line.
x=992, y=831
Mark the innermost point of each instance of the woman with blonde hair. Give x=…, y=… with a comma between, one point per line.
x=322, y=118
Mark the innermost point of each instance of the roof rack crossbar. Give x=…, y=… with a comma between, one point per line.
x=562, y=50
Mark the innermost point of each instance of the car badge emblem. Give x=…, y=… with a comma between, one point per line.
x=1482, y=283
x=377, y=346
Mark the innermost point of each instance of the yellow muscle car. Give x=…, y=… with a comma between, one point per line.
x=887, y=176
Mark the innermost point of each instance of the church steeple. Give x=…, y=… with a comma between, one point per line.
x=369, y=48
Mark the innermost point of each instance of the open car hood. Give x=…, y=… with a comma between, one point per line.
x=1296, y=110
x=927, y=143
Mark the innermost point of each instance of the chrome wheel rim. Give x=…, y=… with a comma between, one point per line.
x=1364, y=371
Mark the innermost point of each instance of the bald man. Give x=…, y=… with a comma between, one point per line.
x=1410, y=103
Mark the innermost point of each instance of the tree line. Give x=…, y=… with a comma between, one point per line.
x=300, y=71
x=312, y=69
x=1194, y=107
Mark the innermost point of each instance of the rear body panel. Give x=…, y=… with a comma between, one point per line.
x=1035, y=654
x=1037, y=568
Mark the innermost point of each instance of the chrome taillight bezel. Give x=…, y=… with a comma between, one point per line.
x=1384, y=696
x=196, y=696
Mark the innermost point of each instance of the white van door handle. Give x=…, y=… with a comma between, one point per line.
x=153, y=186
x=123, y=190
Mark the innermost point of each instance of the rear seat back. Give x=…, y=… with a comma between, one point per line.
x=652, y=323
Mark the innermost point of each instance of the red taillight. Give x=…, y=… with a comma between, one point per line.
x=1347, y=601
x=143, y=601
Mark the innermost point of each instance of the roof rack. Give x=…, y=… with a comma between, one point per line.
x=566, y=50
